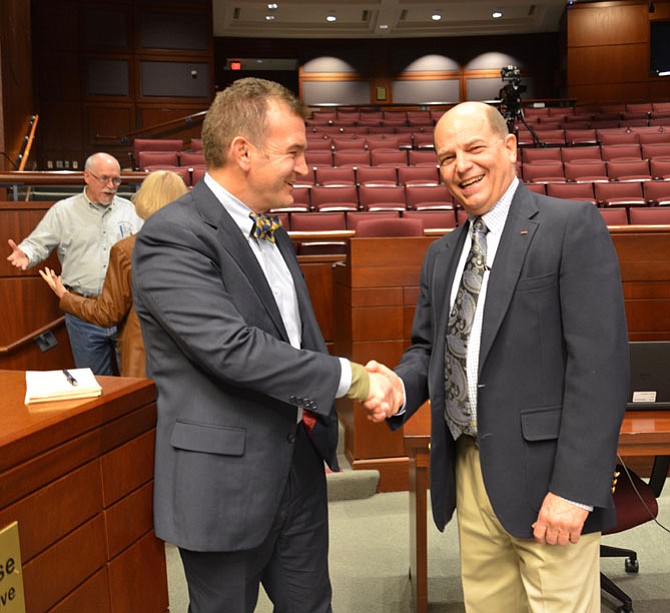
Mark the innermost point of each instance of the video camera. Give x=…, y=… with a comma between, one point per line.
x=510, y=94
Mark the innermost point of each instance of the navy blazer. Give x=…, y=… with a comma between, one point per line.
x=553, y=365
x=228, y=380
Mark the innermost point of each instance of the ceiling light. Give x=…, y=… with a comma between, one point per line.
x=436, y=17
x=331, y=18
x=269, y=17
x=383, y=26
x=496, y=14
x=272, y=6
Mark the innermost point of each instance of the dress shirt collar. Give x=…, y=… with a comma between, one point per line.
x=235, y=207
x=496, y=217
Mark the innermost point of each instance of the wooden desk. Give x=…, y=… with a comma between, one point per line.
x=78, y=478
x=643, y=433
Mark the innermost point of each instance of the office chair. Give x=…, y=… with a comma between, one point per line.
x=631, y=512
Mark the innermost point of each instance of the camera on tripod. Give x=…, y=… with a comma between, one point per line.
x=510, y=94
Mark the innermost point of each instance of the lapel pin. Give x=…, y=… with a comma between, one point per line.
x=523, y=232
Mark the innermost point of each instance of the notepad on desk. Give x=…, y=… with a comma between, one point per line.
x=51, y=385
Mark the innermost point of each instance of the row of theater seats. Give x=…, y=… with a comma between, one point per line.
x=413, y=223
x=570, y=136
x=422, y=197
x=607, y=152
x=595, y=170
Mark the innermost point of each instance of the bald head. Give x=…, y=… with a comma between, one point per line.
x=477, y=155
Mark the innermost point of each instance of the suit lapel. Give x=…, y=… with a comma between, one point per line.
x=515, y=241
x=231, y=239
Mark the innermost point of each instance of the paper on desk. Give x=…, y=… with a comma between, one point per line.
x=50, y=385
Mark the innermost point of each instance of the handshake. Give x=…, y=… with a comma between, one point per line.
x=386, y=394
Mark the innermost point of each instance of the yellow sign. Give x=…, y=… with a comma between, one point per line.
x=12, y=599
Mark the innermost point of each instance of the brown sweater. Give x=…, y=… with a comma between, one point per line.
x=114, y=307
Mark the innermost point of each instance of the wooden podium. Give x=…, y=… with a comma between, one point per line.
x=77, y=476
x=374, y=296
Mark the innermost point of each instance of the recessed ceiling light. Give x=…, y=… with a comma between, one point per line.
x=331, y=18
x=270, y=17
x=273, y=5
x=496, y=14
x=436, y=17
x=383, y=26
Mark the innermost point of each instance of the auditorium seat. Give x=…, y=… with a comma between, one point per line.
x=183, y=171
x=422, y=157
x=657, y=193
x=375, y=198
x=351, y=158
x=318, y=222
x=306, y=180
x=371, y=228
x=388, y=142
x=354, y=217
x=647, y=138
x=615, y=217
x=433, y=219
x=345, y=143
x=341, y=198
x=318, y=158
x=320, y=144
x=656, y=150
x=540, y=154
x=196, y=144
x=584, y=136
x=617, y=137
x=385, y=157
x=551, y=137
x=191, y=158
x=376, y=175
x=629, y=170
x=650, y=216
x=197, y=174
x=586, y=170
x=423, y=140
x=418, y=175
x=301, y=200
x=330, y=176
x=428, y=197
x=572, y=191
x=588, y=152
x=619, y=194
x=543, y=171
x=155, y=144
x=629, y=151
x=660, y=168
x=154, y=158
x=538, y=188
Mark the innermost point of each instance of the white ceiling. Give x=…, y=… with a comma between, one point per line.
x=363, y=18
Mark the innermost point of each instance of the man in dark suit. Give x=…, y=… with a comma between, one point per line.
x=526, y=367
x=245, y=384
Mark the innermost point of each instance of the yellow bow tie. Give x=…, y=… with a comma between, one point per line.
x=264, y=226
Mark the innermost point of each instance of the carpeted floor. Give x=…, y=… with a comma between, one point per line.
x=369, y=561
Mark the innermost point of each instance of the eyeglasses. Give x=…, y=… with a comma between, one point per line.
x=105, y=179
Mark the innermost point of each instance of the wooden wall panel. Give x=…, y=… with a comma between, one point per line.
x=594, y=24
x=625, y=63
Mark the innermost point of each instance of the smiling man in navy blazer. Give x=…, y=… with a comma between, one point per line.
x=245, y=384
x=530, y=472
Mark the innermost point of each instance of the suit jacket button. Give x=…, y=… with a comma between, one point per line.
x=291, y=438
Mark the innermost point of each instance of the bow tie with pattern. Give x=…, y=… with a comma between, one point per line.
x=264, y=226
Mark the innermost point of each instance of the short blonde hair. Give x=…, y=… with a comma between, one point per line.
x=158, y=189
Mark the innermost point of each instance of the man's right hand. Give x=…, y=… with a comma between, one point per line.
x=17, y=257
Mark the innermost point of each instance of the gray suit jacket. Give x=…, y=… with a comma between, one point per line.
x=553, y=366
x=229, y=383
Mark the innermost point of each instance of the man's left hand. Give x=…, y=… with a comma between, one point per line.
x=559, y=522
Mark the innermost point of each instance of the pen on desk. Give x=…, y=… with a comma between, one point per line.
x=69, y=377
x=121, y=230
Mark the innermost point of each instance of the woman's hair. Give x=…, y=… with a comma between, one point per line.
x=158, y=189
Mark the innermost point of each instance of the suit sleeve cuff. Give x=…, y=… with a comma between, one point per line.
x=345, y=378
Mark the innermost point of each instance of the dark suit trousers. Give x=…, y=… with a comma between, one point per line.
x=292, y=562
